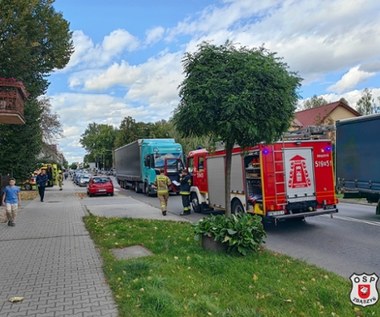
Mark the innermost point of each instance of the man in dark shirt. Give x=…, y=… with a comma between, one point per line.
x=41, y=181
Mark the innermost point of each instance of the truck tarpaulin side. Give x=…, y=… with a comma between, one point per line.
x=357, y=158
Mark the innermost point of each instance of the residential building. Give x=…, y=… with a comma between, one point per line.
x=325, y=115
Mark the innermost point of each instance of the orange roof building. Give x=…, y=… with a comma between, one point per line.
x=325, y=115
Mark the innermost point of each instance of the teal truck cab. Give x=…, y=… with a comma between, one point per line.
x=138, y=163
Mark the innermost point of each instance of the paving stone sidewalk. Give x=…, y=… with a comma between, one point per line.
x=50, y=260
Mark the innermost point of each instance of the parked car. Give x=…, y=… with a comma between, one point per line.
x=76, y=176
x=100, y=185
x=83, y=180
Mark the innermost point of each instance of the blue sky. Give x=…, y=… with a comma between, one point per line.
x=127, y=59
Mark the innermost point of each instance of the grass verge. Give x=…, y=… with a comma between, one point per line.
x=28, y=194
x=181, y=279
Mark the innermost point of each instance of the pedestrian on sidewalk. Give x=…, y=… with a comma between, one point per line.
x=60, y=180
x=162, y=184
x=12, y=201
x=185, y=184
x=41, y=181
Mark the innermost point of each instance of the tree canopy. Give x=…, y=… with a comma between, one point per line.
x=366, y=103
x=237, y=95
x=34, y=40
x=314, y=102
x=242, y=96
x=130, y=130
x=50, y=125
x=98, y=140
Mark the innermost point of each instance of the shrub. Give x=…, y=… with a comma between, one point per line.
x=242, y=232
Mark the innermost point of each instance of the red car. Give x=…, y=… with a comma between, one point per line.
x=100, y=185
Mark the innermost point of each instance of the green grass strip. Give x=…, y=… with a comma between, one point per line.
x=182, y=279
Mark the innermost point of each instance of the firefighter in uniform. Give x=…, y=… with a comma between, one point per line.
x=162, y=184
x=185, y=184
x=60, y=179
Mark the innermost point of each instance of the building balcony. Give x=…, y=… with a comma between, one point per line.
x=12, y=99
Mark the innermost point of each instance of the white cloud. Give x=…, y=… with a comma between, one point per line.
x=78, y=110
x=82, y=45
x=350, y=80
x=154, y=35
x=153, y=83
x=319, y=36
x=352, y=96
x=312, y=36
x=87, y=54
x=118, y=41
x=159, y=80
x=117, y=74
x=315, y=38
x=216, y=18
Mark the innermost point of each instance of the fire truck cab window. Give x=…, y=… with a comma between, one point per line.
x=190, y=165
x=201, y=163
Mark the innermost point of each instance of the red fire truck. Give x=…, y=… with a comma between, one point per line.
x=289, y=179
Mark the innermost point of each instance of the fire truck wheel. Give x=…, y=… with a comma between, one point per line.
x=237, y=207
x=197, y=207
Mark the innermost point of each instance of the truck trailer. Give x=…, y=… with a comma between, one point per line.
x=138, y=163
x=358, y=158
x=289, y=179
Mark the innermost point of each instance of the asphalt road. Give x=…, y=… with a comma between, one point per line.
x=345, y=244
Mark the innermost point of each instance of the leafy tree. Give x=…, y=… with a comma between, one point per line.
x=89, y=158
x=65, y=164
x=343, y=100
x=315, y=102
x=98, y=140
x=129, y=131
x=73, y=166
x=20, y=144
x=34, y=40
x=50, y=124
x=190, y=143
x=237, y=95
x=366, y=102
x=161, y=129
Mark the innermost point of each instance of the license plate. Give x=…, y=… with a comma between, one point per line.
x=101, y=190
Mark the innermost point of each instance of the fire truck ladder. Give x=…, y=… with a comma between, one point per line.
x=311, y=132
x=278, y=172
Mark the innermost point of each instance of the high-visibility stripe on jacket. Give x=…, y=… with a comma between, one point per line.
x=162, y=182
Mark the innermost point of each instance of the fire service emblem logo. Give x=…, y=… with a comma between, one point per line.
x=364, y=292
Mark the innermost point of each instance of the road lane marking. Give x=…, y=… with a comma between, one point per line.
x=368, y=222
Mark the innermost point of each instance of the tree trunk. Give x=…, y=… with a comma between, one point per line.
x=227, y=178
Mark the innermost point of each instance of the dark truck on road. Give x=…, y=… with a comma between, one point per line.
x=358, y=158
